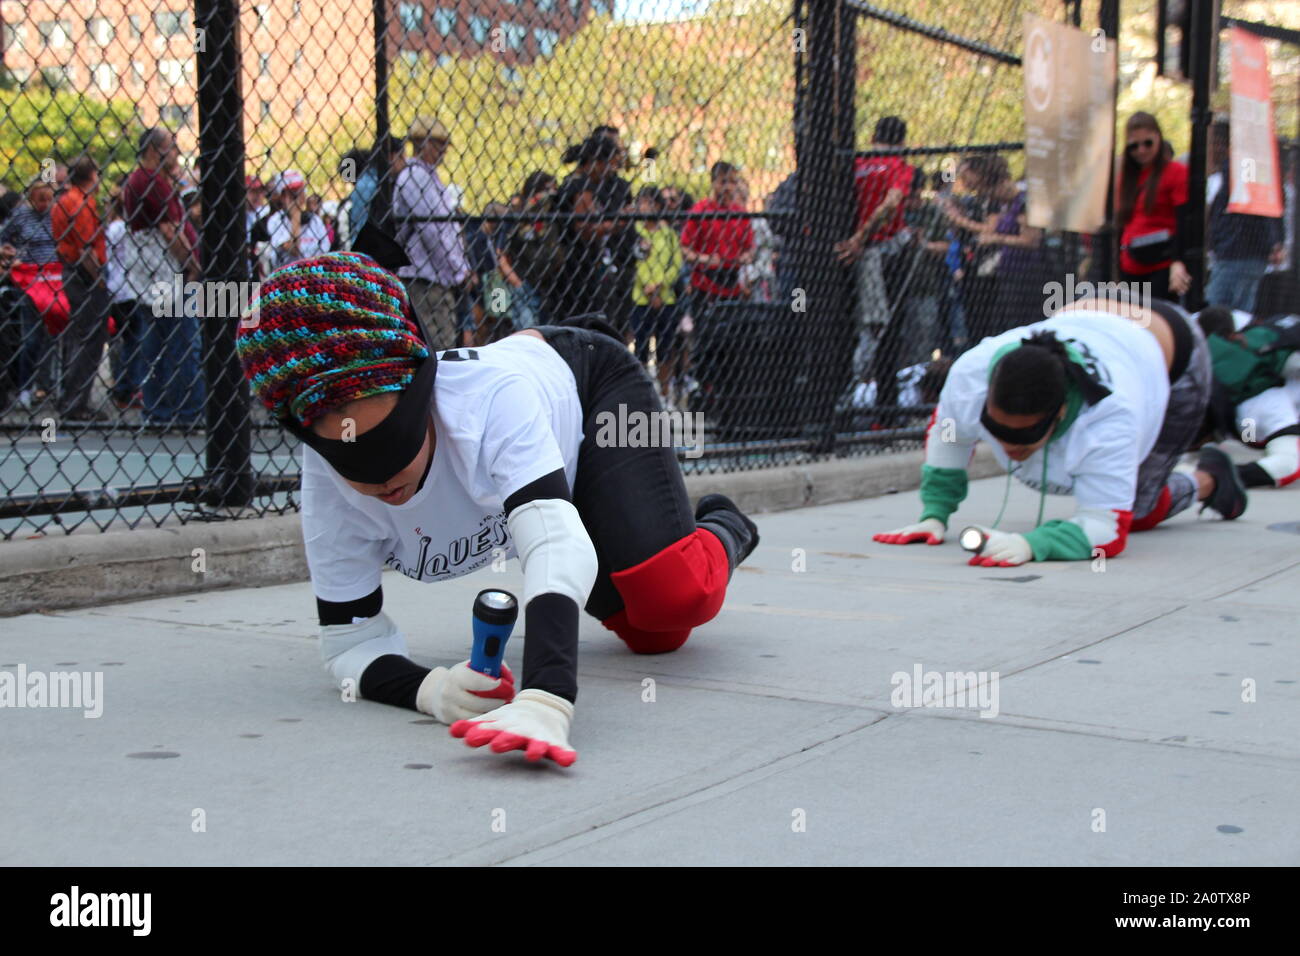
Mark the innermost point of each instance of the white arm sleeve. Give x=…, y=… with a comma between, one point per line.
x=348, y=649
x=955, y=426
x=554, y=549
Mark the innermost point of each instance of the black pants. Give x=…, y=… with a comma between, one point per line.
x=84, y=337
x=632, y=501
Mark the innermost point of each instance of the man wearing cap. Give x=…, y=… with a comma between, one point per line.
x=436, y=249
x=1099, y=402
x=437, y=465
x=295, y=232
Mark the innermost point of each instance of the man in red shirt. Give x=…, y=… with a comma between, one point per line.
x=880, y=184
x=717, y=248
x=158, y=253
x=79, y=237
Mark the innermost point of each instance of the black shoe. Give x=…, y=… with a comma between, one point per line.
x=1229, y=496
x=719, y=514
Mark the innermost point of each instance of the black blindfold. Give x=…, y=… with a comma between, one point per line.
x=375, y=456
x=1017, y=436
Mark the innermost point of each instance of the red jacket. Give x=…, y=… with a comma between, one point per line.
x=1171, y=192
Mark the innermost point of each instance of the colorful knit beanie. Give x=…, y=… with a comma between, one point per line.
x=328, y=330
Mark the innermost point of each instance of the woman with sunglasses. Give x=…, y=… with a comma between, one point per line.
x=1099, y=402
x=436, y=465
x=1151, y=213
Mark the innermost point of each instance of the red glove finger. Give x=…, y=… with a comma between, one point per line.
x=505, y=741
x=564, y=758
x=537, y=749
x=476, y=735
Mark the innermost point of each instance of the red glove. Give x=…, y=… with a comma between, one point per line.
x=930, y=531
x=536, y=722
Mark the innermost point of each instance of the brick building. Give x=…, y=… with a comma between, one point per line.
x=306, y=63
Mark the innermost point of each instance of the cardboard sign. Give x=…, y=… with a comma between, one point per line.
x=1069, y=120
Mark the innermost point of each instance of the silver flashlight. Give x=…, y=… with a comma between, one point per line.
x=973, y=539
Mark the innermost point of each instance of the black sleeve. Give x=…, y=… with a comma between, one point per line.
x=553, y=485
x=551, y=648
x=336, y=612
x=393, y=679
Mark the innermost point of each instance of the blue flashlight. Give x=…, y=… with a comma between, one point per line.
x=494, y=618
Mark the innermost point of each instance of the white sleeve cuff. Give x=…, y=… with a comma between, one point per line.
x=348, y=649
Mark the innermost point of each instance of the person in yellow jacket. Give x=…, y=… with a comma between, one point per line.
x=654, y=296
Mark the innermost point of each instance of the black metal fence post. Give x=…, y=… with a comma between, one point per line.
x=1104, y=260
x=381, y=75
x=1203, y=67
x=824, y=142
x=223, y=241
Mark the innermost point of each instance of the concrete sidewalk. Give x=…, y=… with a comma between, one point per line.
x=1121, y=735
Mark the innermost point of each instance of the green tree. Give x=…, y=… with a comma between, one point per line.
x=42, y=125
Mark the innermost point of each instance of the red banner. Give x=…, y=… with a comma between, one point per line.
x=1253, y=173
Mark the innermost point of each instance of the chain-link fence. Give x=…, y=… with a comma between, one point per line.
x=797, y=214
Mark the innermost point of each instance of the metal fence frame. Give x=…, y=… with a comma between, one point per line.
x=825, y=125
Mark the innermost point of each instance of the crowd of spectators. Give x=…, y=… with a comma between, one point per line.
x=939, y=257
x=652, y=264
x=944, y=258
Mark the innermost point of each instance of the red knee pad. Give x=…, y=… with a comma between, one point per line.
x=1155, y=515
x=645, y=642
x=677, y=589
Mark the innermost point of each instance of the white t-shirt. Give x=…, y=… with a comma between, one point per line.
x=1097, y=458
x=115, y=267
x=313, y=239
x=504, y=416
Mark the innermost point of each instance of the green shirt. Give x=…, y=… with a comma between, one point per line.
x=660, y=267
x=1239, y=366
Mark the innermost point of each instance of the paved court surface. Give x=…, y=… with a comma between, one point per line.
x=1121, y=734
